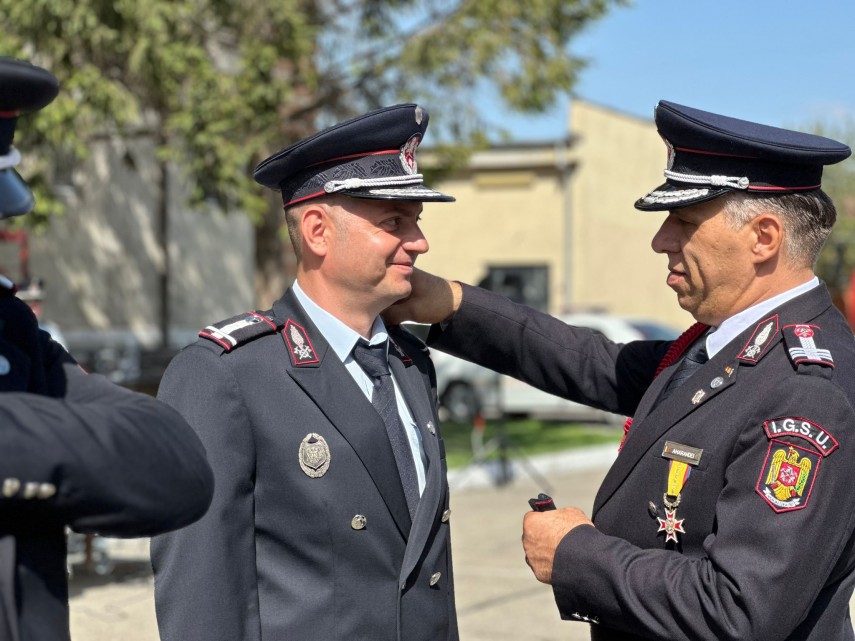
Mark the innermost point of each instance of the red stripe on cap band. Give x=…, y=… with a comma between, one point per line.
x=711, y=153
x=807, y=188
x=302, y=198
x=8, y=114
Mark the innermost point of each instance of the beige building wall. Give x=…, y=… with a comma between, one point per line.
x=567, y=205
x=621, y=158
x=510, y=210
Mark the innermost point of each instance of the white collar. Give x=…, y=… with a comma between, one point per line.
x=735, y=325
x=340, y=337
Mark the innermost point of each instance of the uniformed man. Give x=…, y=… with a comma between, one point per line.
x=729, y=512
x=75, y=449
x=330, y=516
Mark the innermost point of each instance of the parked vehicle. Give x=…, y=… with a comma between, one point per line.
x=466, y=389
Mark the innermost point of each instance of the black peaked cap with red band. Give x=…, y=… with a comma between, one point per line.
x=710, y=155
x=23, y=87
x=372, y=156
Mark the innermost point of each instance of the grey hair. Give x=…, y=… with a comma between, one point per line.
x=807, y=218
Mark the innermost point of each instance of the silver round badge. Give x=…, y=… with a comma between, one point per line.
x=718, y=381
x=314, y=455
x=5, y=366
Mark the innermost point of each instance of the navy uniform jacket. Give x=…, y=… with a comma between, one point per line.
x=282, y=554
x=80, y=451
x=769, y=510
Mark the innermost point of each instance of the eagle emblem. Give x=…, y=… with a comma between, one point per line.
x=788, y=476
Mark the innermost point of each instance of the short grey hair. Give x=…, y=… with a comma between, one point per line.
x=807, y=218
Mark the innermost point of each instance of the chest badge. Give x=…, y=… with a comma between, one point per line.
x=314, y=455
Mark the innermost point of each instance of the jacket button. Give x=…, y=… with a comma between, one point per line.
x=46, y=490
x=446, y=515
x=434, y=578
x=5, y=366
x=358, y=522
x=31, y=490
x=11, y=487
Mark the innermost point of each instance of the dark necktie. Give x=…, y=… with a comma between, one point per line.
x=372, y=359
x=694, y=357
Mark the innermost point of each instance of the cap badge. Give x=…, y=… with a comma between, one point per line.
x=408, y=154
x=671, y=155
x=314, y=455
x=419, y=114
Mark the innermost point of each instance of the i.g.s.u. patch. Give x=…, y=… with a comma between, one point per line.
x=788, y=476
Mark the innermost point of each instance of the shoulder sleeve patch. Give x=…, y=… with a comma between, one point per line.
x=787, y=478
x=239, y=330
x=804, y=345
x=801, y=428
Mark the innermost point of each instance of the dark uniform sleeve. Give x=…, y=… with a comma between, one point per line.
x=78, y=449
x=571, y=362
x=101, y=458
x=761, y=570
x=205, y=575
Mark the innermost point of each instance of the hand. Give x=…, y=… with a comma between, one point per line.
x=542, y=532
x=432, y=300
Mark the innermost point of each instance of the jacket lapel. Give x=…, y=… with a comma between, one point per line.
x=746, y=350
x=418, y=396
x=326, y=381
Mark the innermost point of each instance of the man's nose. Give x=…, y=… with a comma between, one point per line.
x=665, y=240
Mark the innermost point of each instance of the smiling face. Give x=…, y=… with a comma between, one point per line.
x=710, y=264
x=373, y=245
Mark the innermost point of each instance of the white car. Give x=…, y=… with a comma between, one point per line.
x=466, y=390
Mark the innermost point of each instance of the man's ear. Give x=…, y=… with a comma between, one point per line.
x=767, y=237
x=315, y=225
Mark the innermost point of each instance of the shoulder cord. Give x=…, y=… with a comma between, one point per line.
x=671, y=356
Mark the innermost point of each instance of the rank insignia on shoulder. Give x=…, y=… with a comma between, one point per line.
x=7, y=287
x=802, y=348
x=788, y=476
x=760, y=340
x=299, y=344
x=238, y=330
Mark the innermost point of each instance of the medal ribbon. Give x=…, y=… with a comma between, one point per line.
x=678, y=474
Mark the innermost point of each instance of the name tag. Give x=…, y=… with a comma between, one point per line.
x=683, y=453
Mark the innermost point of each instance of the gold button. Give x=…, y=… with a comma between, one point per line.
x=46, y=490
x=434, y=578
x=11, y=487
x=446, y=515
x=31, y=490
x=358, y=522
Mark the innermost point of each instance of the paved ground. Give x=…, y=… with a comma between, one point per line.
x=497, y=596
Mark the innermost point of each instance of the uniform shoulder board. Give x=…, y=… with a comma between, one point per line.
x=241, y=329
x=805, y=346
x=7, y=287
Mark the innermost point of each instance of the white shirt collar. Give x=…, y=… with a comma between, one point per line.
x=340, y=337
x=735, y=325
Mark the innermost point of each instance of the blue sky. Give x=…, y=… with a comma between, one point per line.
x=786, y=63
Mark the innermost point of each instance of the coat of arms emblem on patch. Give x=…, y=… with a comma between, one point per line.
x=788, y=476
